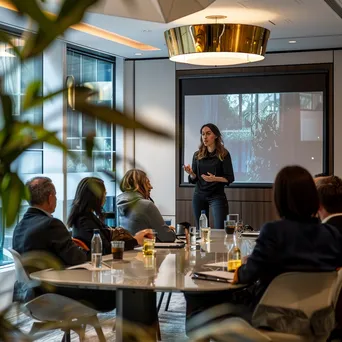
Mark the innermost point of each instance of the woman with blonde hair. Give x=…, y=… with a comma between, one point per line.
x=136, y=209
x=211, y=171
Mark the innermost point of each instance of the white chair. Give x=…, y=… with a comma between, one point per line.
x=307, y=292
x=54, y=311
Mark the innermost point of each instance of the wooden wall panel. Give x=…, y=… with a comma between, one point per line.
x=184, y=212
x=252, y=213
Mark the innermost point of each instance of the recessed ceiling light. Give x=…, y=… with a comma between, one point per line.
x=292, y=41
x=146, y=31
x=138, y=54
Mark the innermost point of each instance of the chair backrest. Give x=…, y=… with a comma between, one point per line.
x=307, y=292
x=81, y=244
x=20, y=273
x=338, y=298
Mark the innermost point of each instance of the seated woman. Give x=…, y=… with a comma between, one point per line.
x=86, y=215
x=297, y=242
x=136, y=209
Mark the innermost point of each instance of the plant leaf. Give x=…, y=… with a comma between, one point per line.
x=108, y=114
x=33, y=97
x=6, y=103
x=89, y=144
x=6, y=38
x=12, y=194
x=32, y=92
x=50, y=29
x=25, y=135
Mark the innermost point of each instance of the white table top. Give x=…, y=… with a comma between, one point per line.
x=169, y=270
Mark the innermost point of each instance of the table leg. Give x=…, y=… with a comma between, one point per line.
x=137, y=307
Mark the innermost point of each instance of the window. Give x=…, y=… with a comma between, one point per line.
x=16, y=77
x=92, y=71
x=267, y=120
x=97, y=74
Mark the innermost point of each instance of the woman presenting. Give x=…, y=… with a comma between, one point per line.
x=211, y=170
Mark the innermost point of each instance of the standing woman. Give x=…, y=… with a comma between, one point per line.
x=211, y=170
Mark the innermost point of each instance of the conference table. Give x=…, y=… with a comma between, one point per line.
x=136, y=279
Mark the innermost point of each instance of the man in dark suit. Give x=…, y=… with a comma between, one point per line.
x=40, y=231
x=330, y=196
x=330, y=211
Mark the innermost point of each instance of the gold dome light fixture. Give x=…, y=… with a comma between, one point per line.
x=217, y=44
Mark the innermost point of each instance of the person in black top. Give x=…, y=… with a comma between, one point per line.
x=211, y=171
x=297, y=242
x=86, y=215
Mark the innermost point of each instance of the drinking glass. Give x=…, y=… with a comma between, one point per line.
x=149, y=261
x=239, y=228
x=205, y=234
x=118, y=249
x=230, y=223
x=148, y=247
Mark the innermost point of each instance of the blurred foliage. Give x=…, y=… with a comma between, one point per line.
x=17, y=136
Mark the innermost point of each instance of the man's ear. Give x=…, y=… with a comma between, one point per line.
x=321, y=212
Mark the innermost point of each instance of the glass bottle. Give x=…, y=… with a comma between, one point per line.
x=96, y=249
x=234, y=256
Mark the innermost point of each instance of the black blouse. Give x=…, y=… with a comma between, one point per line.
x=84, y=230
x=217, y=167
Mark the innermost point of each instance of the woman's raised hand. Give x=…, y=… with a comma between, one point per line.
x=188, y=169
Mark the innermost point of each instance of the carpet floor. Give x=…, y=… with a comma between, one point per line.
x=172, y=323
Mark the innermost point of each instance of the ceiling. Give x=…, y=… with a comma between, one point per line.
x=311, y=23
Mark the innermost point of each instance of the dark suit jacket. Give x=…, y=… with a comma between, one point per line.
x=84, y=227
x=289, y=246
x=38, y=231
x=336, y=221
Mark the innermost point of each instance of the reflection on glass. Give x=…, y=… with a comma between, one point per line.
x=263, y=131
x=97, y=75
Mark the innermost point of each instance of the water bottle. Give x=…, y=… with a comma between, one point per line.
x=203, y=227
x=192, y=231
x=96, y=249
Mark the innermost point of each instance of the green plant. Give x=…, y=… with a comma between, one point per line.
x=16, y=136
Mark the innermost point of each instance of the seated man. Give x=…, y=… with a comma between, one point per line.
x=330, y=196
x=39, y=230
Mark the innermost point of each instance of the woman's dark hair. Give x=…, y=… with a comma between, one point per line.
x=221, y=152
x=295, y=194
x=89, y=196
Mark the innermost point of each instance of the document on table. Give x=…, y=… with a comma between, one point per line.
x=220, y=276
x=222, y=264
x=90, y=267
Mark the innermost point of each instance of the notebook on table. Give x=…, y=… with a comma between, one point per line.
x=169, y=245
x=220, y=276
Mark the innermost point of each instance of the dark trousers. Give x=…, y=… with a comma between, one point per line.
x=218, y=205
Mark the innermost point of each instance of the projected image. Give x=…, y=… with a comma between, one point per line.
x=262, y=132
